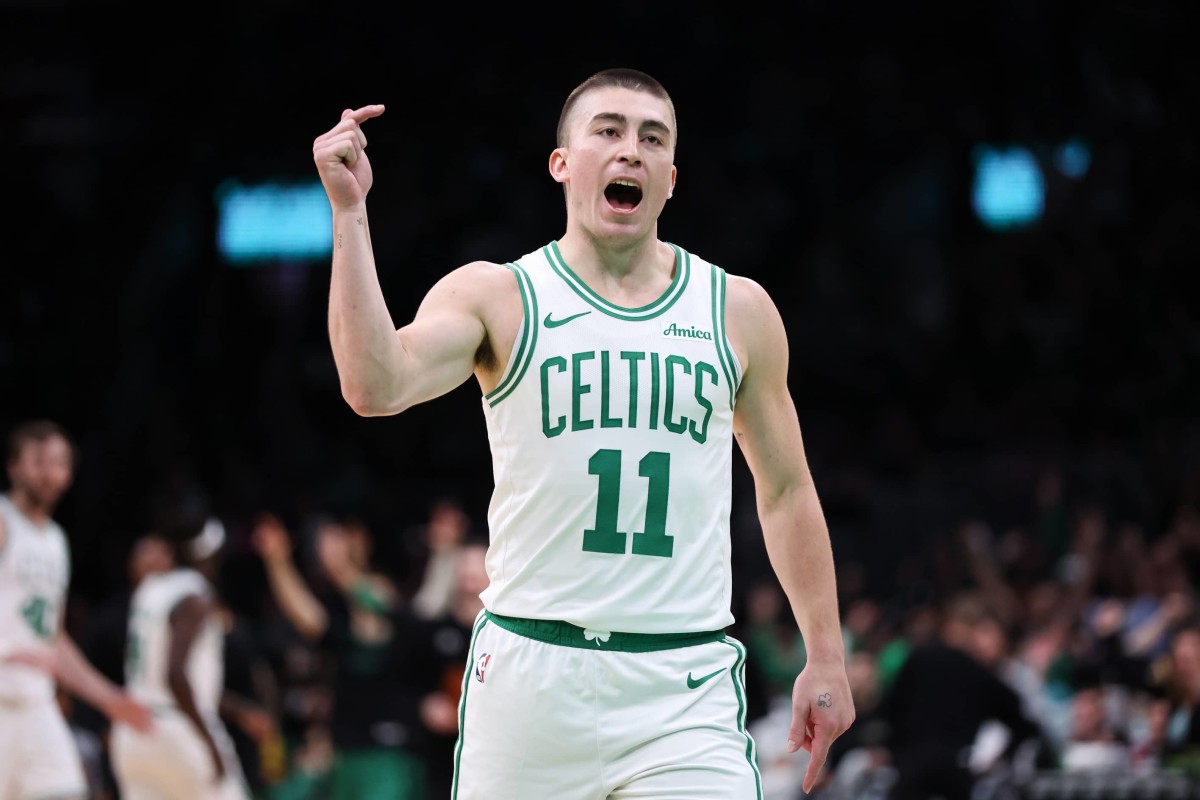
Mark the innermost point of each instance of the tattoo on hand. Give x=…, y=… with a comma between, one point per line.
x=825, y=700
x=359, y=220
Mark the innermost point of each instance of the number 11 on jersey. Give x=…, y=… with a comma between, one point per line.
x=655, y=467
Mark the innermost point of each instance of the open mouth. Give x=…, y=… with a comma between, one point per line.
x=623, y=195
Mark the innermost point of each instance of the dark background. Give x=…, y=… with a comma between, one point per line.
x=940, y=368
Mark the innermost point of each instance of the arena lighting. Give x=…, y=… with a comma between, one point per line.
x=1008, y=191
x=1072, y=158
x=272, y=221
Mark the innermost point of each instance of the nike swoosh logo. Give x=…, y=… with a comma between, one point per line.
x=554, y=323
x=694, y=682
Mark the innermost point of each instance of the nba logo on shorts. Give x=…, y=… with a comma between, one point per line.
x=481, y=665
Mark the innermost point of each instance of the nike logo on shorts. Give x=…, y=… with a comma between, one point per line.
x=695, y=682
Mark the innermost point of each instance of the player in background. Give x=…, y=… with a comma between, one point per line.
x=38, y=756
x=175, y=665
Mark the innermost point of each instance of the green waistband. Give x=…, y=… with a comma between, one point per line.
x=554, y=631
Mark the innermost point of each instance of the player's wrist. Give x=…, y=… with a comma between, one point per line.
x=109, y=701
x=354, y=211
x=821, y=657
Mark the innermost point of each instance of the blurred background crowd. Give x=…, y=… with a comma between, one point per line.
x=977, y=229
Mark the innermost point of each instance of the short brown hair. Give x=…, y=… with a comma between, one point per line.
x=622, y=78
x=37, y=430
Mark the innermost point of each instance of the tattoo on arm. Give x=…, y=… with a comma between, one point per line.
x=825, y=700
x=359, y=220
x=339, y=243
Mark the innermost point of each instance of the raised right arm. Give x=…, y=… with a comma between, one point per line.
x=383, y=370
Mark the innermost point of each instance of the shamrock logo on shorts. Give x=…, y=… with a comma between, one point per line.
x=596, y=636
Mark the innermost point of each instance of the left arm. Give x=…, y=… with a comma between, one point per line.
x=794, y=529
x=78, y=676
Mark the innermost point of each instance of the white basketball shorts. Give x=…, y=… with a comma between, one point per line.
x=38, y=756
x=551, y=710
x=173, y=763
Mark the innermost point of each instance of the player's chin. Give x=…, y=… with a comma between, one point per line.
x=622, y=223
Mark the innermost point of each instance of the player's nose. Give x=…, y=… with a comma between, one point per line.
x=629, y=154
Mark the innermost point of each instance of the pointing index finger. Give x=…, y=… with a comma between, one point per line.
x=363, y=113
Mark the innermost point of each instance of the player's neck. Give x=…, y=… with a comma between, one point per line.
x=31, y=510
x=627, y=264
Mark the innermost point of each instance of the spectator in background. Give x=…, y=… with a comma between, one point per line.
x=937, y=704
x=1150, y=738
x=1183, y=685
x=442, y=539
x=449, y=640
x=1095, y=743
x=355, y=614
x=247, y=674
x=920, y=626
x=859, y=764
x=775, y=647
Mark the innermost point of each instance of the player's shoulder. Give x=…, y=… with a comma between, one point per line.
x=746, y=298
x=480, y=278
x=483, y=269
x=752, y=321
x=181, y=580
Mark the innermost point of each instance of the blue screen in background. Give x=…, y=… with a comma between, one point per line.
x=273, y=221
x=1009, y=189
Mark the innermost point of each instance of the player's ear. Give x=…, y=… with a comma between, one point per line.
x=558, y=165
x=671, y=188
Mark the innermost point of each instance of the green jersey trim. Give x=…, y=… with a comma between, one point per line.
x=738, y=673
x=552, y=631
x=480, y=622
x=724, y=350
x=683, y=268
x=520, y=363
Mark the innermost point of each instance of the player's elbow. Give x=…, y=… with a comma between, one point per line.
x=774, y=495
x=363, y=407
x=370, y=403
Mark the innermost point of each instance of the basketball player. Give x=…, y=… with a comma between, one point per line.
x=616, y=369
x=175, y=664
x=38, y=755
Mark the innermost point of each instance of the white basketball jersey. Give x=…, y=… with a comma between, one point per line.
x=611, y=434
x=35, y=570
x=148, y=647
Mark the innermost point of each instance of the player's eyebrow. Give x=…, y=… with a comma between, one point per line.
x=620, y=119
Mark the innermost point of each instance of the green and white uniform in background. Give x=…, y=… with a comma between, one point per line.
x=38, y=756
x=174, y=757
x=600, y=667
